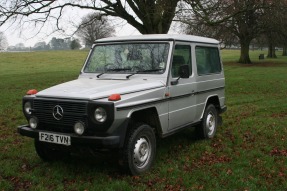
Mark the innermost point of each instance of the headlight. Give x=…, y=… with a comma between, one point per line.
x=100, y=115
x=27, y=107
x=33, y=122
x=79, y=128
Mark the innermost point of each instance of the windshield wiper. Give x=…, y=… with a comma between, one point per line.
x=143, y=71
x=119, y=69
x=100, y=74
x=114, y=69
x=151, y=70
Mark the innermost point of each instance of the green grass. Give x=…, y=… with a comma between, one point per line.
x=248, y=153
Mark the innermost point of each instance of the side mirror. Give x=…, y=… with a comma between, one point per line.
x=184, y=71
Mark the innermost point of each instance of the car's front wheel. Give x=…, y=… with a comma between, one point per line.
x=140, y=149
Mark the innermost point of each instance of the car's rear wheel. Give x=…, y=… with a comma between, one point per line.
x=209, y=124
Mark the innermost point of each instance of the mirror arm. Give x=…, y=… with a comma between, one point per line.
x=175, y=82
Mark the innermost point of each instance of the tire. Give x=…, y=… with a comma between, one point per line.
x=209, y=124
x=140, y=149
x=49, y=154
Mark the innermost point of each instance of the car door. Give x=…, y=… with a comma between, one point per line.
x=182, y=100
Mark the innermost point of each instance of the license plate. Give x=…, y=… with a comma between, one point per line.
x=55, y=138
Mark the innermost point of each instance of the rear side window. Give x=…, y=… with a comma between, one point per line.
x=181, y=56
x=207, y=60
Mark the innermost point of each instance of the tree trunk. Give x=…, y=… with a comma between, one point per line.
x=271, y=51
x=284, y=50
x=155, y=16
x=244, y=52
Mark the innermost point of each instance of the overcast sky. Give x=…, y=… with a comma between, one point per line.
x=29, y=34
x=15, y=36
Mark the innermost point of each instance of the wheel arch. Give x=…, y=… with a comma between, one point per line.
x=213, y=99
x=148, y=116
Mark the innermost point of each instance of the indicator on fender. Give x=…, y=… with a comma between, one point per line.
x=115, y=97
x=32, y=92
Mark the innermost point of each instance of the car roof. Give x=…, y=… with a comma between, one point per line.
x=159, y=37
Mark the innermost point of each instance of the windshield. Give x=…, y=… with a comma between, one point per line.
x=128, y=58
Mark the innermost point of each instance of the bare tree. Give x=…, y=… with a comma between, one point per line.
x=147, y=16
x=275, y=26
x=219, y=32
x=3, y=41
x=93, y=27
x=243, y=19
x=283, y=42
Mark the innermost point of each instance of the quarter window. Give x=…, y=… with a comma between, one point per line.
x=207, y=60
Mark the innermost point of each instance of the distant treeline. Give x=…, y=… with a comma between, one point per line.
x=54, y=44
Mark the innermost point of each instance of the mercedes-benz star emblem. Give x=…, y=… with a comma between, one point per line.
x=58, y=112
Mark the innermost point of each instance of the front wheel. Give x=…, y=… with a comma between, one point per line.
x=209, y=123
x=140, y=149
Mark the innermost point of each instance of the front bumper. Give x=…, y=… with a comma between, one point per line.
x=98, y=142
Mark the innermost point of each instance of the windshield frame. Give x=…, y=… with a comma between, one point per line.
x=167, y=42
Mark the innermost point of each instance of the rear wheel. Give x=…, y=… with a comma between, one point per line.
x=209, y=123
x=140, y=149
x=47, y=153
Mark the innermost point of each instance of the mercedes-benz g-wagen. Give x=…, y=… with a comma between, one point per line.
x=130, y=91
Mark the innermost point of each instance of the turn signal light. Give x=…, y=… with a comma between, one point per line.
x=115, y=97
x=32, y=92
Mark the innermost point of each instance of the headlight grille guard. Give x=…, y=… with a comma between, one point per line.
x=110, y=110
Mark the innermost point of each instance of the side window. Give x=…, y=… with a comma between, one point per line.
x=207, y=60
x=181, y=56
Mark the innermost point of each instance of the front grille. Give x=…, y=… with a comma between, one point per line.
x=73, y=111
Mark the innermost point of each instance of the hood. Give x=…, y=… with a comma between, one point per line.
x=90, y=89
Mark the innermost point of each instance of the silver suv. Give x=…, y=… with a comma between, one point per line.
x=131, y=91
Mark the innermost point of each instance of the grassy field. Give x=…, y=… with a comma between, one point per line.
x=248, y=153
